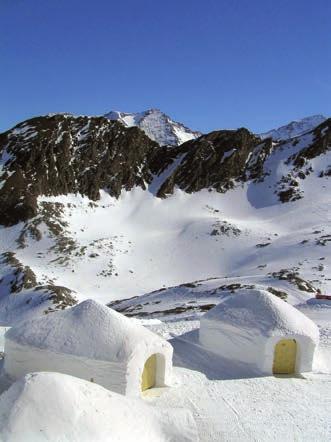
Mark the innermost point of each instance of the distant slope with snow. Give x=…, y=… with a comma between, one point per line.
x=295, y=128
x=157, y=125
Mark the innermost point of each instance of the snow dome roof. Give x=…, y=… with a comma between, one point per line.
x=54, y=406
x=89, y=329
x=263, y=313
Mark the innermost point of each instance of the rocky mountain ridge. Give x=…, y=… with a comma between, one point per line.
x=63, y=154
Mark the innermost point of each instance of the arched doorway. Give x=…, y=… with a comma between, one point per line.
x=285, y=356
x=148, y=378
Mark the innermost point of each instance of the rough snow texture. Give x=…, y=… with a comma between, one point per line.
x=89, y=341
x=56, y=407
x=158, y=126
x=295, y=128
x=247, y=326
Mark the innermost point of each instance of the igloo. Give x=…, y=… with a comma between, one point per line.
x=92, y=342
x=257, y=328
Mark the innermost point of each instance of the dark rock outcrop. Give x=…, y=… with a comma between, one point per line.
x=213, y=161
x=320, y=144
x=63, y=154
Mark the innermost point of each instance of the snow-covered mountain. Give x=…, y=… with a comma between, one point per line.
x=294, y=128
x=161, y=128
x=157, y=125
x=91, y=208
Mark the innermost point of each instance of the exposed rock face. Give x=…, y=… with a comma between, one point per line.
x=63, y=154
x=301, y=163
x=321, y=143
x=220, y=160
x=213, y=161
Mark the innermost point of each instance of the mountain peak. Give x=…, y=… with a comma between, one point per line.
x=157, y=125
x=294, y=128
x=153, y=110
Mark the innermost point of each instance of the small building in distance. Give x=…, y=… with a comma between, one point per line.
x=92, y=342
x=257, y=328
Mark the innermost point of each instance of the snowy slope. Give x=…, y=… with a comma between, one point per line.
x=157, y=125
x=294, y=128
x=242, y=408
x=22, y=296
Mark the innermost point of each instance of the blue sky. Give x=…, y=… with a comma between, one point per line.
x=209, y=63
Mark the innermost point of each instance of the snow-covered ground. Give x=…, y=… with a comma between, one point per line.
x=57, y=407
x=255, y=409
x=228, y=402
x=232, y=403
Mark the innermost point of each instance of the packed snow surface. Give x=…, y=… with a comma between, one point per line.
x=57, y=407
